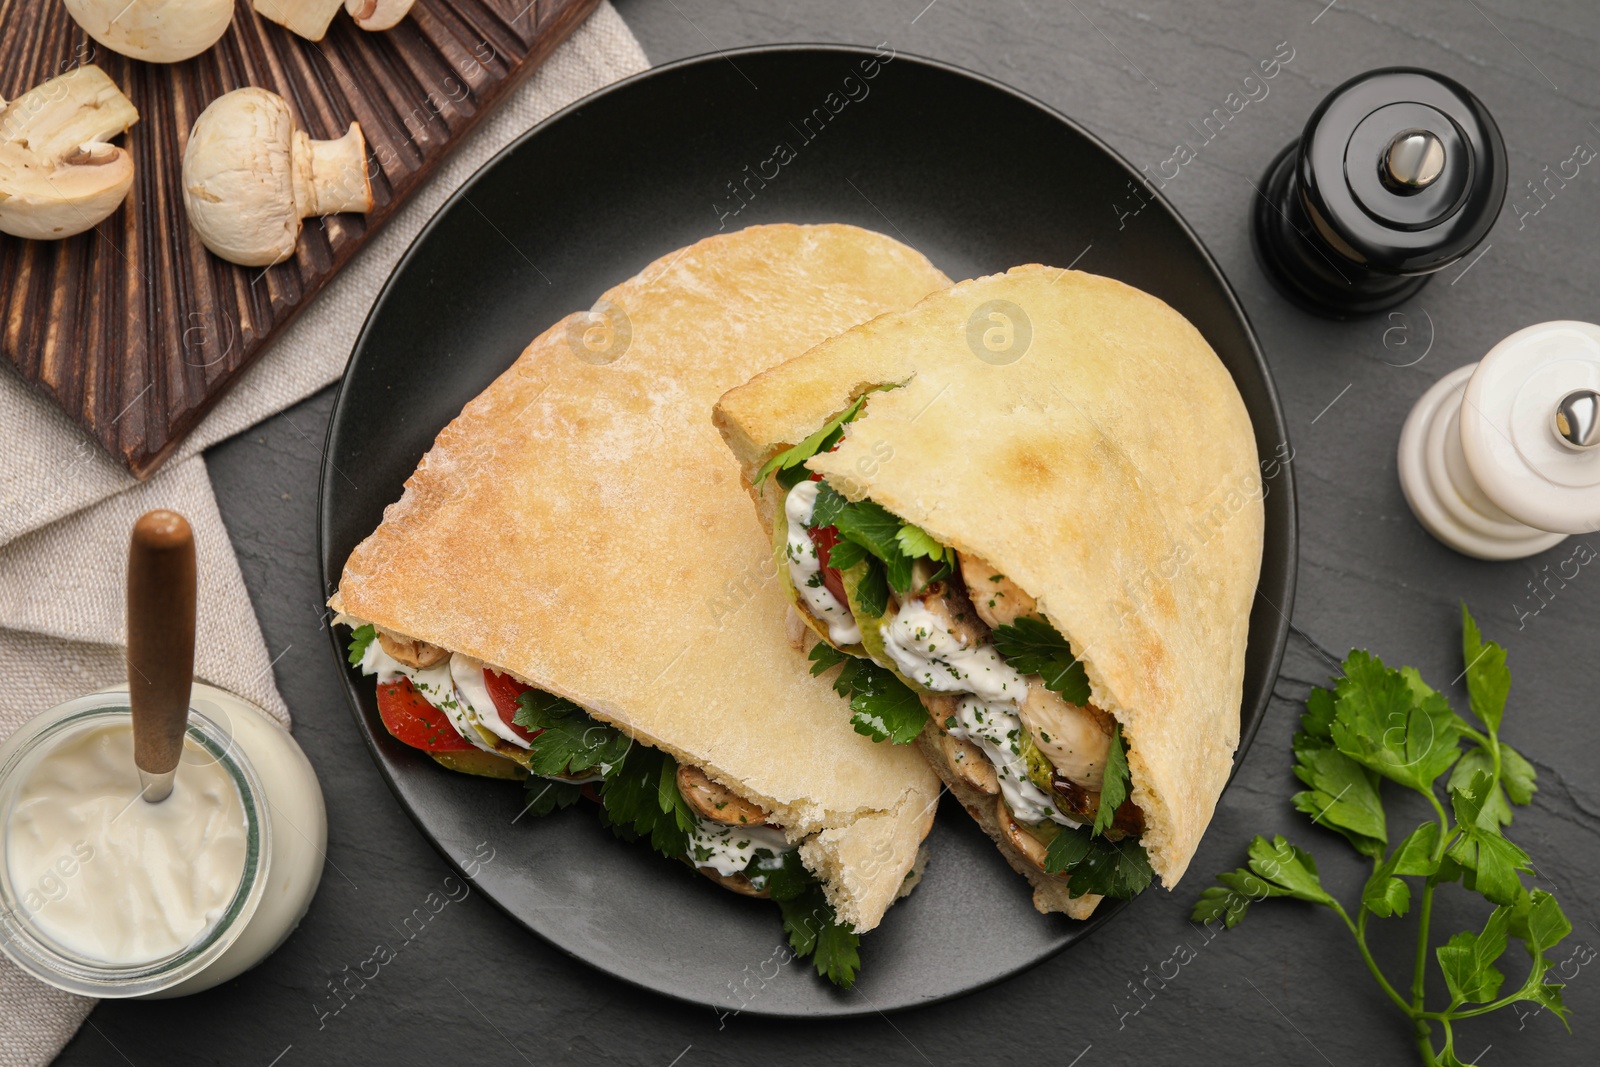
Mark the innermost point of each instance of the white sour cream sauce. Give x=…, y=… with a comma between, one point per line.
x=996, y=728
x=805, y=572
x=473, y=693
x=147, y=880
x=933, y=657
x=729, y=849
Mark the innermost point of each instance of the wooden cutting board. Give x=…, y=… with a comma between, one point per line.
x=133, y=328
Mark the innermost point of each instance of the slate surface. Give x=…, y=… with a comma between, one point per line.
x=1287, y=986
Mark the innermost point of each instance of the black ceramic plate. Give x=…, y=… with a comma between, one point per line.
x=977, y=176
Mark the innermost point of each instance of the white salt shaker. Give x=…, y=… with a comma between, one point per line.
x=1500, y=459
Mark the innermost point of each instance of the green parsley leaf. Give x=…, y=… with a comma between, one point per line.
x=1033, y=646
x=821, y=441
x=872, y=592
x=1385, y=894
x=1488, y=678
x=784, y=882
x=915, y=542
x=824, y=657
x=1379, y=723
x=814, y=930
x=1290, y=868
x=360, y=638
x=846, y=554
x=546, y=795
x=1343, y=794
x=1231, y=900
x=829, y=503
x=1491, y=860
x=1517, y=775
x=1539, y=922
x=568, y=739
x=1116, y=869
x=1115, y=789
x=883, y=707
x=641, y=799
x=1468, y=960
x=871, y=525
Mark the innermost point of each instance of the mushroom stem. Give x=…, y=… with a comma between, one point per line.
x=331, y=176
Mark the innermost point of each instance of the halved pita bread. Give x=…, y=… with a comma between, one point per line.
x=581, y=526
x=1108, y=468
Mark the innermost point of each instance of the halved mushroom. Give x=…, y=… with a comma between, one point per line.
x=418, y=655
x=156, y=31
x=58, y=176
x=1032, y=849
x=715, y=801
x=310, y=18
x=249, y=177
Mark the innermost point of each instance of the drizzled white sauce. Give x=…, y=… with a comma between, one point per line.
x=434, y=683
x=473, y=693
x=805, y=571
x=997, y=730
x=936, y=659
x=728, y=849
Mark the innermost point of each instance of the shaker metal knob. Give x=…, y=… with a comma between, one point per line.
x=1578, y=418
x=1413, y=161
x=1478, y=460
x=1399, y=173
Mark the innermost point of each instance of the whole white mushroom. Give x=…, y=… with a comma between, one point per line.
x=156, y=31
x=249, y=177
x=310, y=18
x=58, y=176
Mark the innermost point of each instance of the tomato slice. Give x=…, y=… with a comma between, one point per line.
x=824, y=538
x=414, y=721
x=504, y=691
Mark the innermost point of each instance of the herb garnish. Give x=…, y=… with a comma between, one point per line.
x=569, y=740
x=884, y=708
x=1033, y=646
x=1379, y=723
x=787, y=463
x=1116, y=869
x=360, y=638
x=809, y=920
x=1114, y=790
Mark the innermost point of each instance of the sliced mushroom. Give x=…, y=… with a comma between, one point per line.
x=378, y=14
x=58, y=176
x=418, y=655
x=968, y=763
x=947, y=601
x=1032, y=849
x=249, y=177
x=310, y=18
x=740, y=883
x=1075, y=738
x=156, y=31
x=997, y=599
x=715, y=801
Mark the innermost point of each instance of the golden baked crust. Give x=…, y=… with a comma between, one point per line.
x=581, y=526
x=1110, y=471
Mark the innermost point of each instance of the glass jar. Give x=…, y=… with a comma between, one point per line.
x=286, y=841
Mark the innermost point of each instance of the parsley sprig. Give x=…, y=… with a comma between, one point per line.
x=567, y=740
x=814, y=929
x=1033, y=646
x=882, y=706
x=1379, y=724
x=360, y=638
x=890, y=545
x=787, y=463
x=1096, y=864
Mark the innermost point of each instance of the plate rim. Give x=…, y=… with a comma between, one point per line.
x=1279, y=637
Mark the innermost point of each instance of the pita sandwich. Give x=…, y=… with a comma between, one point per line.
x=1033, y=500
x=575, y=585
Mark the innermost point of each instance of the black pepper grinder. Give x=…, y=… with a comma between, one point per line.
x=1400, y=172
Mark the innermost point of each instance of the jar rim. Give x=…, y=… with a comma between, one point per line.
x=58, y=966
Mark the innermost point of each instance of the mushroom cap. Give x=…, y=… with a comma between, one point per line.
x=238, y=178
x=156, y=31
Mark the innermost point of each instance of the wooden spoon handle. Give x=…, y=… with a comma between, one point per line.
x=161, y=608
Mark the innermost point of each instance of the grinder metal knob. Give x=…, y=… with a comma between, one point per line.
x=1400, y=172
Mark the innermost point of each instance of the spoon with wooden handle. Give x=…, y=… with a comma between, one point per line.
x=161, y=606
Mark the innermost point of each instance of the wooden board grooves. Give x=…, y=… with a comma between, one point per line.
x=134, y=329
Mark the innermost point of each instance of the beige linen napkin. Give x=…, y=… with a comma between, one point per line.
x=66, y=508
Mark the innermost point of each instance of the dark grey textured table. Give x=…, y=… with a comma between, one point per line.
x=1285, y=987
